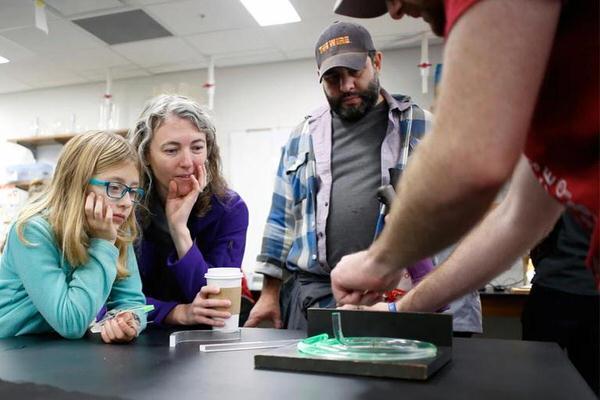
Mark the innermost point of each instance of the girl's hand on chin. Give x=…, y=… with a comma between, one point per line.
x=99, y=217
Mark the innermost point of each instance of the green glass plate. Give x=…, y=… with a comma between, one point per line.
x=367, y=348
x=364, y=348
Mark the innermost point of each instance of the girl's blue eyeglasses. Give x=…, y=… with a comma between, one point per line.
x=118, y=190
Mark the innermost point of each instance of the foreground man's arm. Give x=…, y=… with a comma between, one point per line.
x=491, y=81
x=524, y=218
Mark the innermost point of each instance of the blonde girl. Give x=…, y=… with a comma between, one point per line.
x=70, y=250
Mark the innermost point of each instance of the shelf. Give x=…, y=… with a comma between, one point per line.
x=61, y=138
x=24, y=185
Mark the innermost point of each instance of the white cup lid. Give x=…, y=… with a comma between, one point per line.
x=224, y=273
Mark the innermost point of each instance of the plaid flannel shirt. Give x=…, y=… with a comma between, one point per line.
x=294, y=236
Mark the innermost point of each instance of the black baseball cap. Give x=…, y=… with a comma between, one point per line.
x=360, y=8
x=343, y=44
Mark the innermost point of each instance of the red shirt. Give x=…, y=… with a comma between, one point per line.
x=563, y=141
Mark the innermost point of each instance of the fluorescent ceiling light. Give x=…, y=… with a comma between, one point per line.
x=271, y=12
x=4, y=60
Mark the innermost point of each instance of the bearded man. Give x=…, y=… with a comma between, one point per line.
x=324, y=204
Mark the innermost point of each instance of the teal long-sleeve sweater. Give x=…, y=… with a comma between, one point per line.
x=41, y=292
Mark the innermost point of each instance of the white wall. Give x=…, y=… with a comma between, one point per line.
x=247, y=97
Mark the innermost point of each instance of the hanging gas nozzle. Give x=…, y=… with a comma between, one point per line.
x=386, y=195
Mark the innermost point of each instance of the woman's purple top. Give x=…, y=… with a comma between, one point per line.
x=219, y=241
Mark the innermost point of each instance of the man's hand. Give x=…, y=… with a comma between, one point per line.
x=99, y=218
x=359, y=279
x=381, y=306
x=265, y=309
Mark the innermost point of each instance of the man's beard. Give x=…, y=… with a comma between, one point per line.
x=369, y=98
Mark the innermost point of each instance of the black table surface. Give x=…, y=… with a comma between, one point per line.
x=149, y=369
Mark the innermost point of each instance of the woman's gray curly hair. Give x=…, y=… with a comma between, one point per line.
x=155, y=112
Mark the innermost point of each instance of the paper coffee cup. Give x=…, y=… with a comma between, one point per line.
x=229, y=280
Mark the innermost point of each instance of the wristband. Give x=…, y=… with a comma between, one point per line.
x=392, y=307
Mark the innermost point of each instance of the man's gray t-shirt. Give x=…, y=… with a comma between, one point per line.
x=356, y=175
